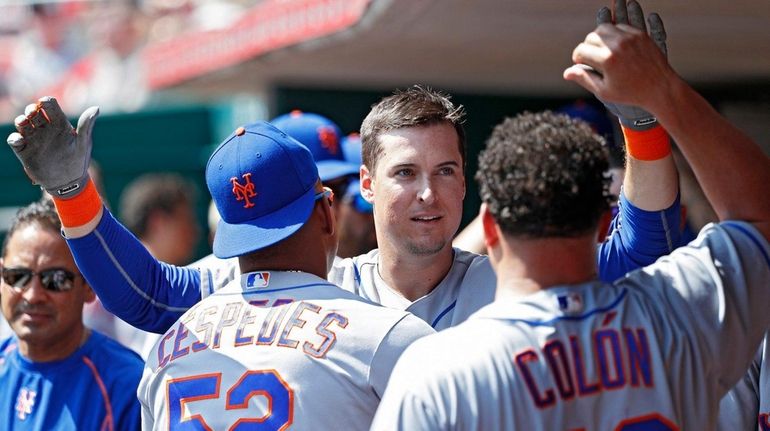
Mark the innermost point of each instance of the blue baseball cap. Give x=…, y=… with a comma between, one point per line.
x=262, y=182
x=322, y=137
x=351, y=149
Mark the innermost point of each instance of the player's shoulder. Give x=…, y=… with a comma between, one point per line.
x=728, y=244
x=472, y=265
x=7, y=346
x=215, y=272
x=445, y=353
x=107, y=353
x=348, y=272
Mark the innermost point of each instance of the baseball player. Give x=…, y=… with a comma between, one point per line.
x=416, y=187
x=561, y=350
x=279, y=346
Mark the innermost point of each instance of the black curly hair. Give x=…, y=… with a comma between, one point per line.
x=544, y=175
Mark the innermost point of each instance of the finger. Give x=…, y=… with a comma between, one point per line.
x=16, y=141
x=604, y=16
x=658, y=32
x=621, y=13
x=590, y=55
x=52, y=111
x=636, y=15
x=38, y=118
x=594, y=39
x=29, y=109
x=23, y=125
x=87, y=120
x=579, y=74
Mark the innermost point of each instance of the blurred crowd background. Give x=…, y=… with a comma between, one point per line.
x=174, y=77
x=47, y=45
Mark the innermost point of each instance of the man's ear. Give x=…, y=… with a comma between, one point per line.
x=366, y=184
x=327, y=219
x=89, y=295
x=491, y=232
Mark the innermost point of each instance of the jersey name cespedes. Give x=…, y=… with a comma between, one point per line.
x=282, y=322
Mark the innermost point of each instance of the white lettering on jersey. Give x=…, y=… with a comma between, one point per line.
x=281, y=326
x=25, y=402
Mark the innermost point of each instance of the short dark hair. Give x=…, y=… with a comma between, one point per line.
x=544, y=175
x=151, y=193
x=42, y=212
x=414, y=106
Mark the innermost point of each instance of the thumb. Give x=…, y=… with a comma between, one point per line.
x=86, y=122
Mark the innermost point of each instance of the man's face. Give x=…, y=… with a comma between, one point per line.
x=417, y=189
x=38, y=316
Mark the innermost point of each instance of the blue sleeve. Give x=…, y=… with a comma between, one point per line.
x=638, y=238
x=133, y=285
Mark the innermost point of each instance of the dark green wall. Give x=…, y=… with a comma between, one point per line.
x=348, y=108
x=129, y=145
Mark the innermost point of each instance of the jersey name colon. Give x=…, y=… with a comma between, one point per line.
x=646, y=351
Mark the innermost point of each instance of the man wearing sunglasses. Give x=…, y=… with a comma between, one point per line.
x=56, y=373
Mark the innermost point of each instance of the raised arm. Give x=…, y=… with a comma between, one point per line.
x=650, y=181
x=733, y=170
x=131, y=283
x=647, y=225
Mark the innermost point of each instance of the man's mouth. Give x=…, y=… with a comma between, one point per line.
x=425, y=218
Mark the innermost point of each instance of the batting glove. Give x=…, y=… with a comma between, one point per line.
x=53, y=154
x=633, y=117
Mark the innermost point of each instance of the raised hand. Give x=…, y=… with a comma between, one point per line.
x=605, y=63
x=53, y=154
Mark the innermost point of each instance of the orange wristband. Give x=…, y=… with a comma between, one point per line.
x=649, y=145
x=81, y=209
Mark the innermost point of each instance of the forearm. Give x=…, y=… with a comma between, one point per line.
x=133, y=285
x=638, y=238
x=650, y=181
x=719, y=154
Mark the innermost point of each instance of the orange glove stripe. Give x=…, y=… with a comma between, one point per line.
x=81, y=209
x=648, y=145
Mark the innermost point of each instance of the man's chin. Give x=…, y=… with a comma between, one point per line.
x=425, y=249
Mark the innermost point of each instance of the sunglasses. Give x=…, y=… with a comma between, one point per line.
x=325, y=193
x=338, y=186
x=54, y=279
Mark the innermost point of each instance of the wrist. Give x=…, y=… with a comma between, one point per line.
x=648, y=145
x=79, y=210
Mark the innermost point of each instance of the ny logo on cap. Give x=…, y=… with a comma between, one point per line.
x=24, y=402
x=244, y=191
x=329, y=138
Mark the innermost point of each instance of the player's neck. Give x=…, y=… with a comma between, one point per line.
x=414, y=276
x=527, y=266
x=57, y=350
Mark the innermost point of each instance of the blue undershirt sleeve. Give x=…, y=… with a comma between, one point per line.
x=637, y=238
x=133, y=285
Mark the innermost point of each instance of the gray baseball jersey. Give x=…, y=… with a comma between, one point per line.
x=279, y=348
x=747, y=405
x=468, y=286
x=647, y=352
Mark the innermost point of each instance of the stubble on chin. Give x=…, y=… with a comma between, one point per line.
x=416, y=249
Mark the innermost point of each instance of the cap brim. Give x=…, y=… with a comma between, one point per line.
x=238, y=239
x=331, y=169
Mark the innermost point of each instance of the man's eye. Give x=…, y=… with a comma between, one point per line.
x=447, y=171
x=404, y=173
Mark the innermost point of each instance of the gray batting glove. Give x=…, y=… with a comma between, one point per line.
x=630, y=116
x=53, y=154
